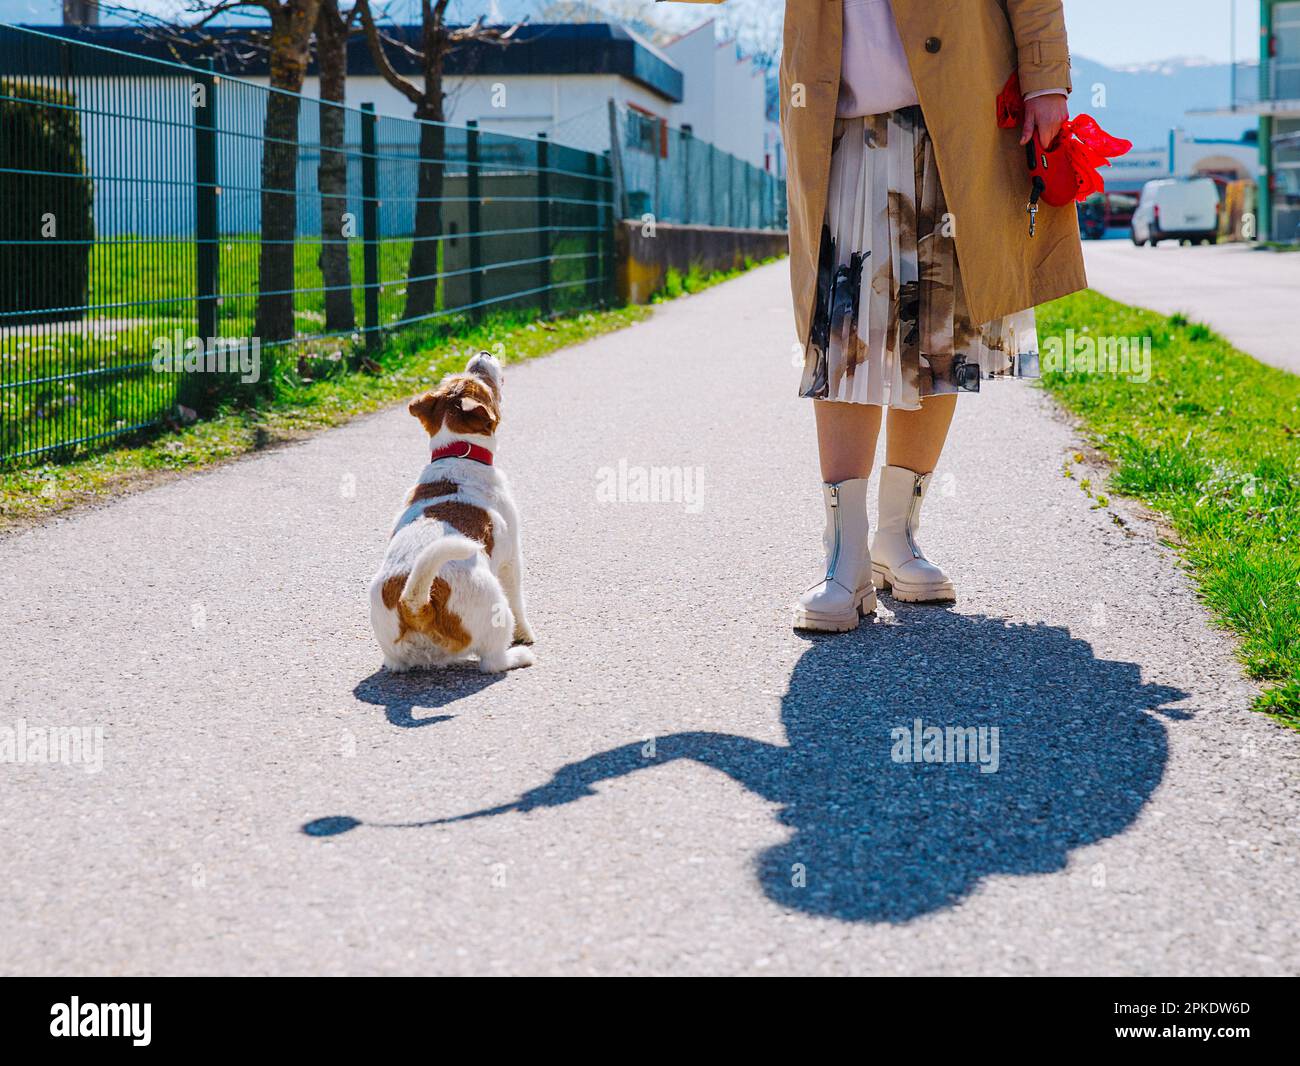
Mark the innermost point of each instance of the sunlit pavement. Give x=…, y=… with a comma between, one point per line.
x=681, y=784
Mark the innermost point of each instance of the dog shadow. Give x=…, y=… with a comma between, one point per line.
x=879, y=837
x=401, y=695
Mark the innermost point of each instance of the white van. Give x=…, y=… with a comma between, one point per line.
x=1184, y=209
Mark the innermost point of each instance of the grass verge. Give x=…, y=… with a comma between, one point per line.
x=1212, y=443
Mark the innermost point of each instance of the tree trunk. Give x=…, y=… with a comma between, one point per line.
x=291, y=29
x=332, y=174
x=422, y=294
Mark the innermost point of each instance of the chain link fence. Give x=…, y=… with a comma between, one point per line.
x=667, y=172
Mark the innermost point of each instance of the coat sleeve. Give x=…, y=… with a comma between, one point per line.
x=1041, y=43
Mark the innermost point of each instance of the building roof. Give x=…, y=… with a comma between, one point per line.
x=543, y=48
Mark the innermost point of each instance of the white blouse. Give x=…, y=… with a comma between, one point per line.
x=874, y=74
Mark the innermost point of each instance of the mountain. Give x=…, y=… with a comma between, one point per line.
x=1145, y=101
x=1142, y=102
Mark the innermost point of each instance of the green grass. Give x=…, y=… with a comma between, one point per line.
x=1212, y=443
x=302, y=404
x=696, y=279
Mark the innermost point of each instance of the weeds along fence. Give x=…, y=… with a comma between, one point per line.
x=162, y=247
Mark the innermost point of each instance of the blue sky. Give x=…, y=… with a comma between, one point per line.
x=1118, y=32
x=1114, y=32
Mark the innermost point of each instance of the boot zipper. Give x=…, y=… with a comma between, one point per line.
x=835, y=550
x=911, y=515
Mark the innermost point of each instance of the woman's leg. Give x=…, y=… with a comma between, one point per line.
x=846, y=439
x=914, y=439
x=913, y=442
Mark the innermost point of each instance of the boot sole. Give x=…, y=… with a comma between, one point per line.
x=942, y=592
x=836, y=623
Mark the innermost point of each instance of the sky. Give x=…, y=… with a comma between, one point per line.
x=1123, y=32
x=1114, y=32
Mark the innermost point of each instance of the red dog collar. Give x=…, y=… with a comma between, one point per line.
x=462, y=449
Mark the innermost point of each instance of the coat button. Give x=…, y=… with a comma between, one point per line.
x=933, y=44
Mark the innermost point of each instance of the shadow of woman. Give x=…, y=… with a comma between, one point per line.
x=1062, y=753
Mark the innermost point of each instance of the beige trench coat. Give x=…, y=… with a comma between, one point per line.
x=961, y=53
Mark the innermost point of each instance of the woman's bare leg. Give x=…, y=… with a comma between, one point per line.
x=914, y=439
x=846, y=439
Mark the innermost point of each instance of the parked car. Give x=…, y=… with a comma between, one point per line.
x=1183, y=209
x=1119, y=209
x=1092, y=217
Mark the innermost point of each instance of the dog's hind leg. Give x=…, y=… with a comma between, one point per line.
x=493, y=644
x=510, y=581
x=506, y=659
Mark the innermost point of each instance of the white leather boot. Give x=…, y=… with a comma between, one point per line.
x=839, y=599
x=896, y=560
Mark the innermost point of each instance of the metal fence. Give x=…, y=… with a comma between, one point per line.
x=134, y=235
x=669, y=173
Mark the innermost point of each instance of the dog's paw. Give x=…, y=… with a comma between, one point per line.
x=396, y=666
x=524, y=635
x=510, y=659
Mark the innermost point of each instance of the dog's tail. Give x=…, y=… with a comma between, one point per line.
x=419, y=582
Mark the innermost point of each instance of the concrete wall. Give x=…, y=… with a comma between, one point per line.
x=644, y=259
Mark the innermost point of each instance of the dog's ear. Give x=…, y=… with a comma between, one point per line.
x=473, y=411
x=430, y=409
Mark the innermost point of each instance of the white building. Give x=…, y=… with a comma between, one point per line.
x=725, y=99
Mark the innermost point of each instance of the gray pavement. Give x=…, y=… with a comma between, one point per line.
x=1250, y=297
x=703, y=790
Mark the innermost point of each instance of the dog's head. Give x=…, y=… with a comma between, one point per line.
x=467, y=404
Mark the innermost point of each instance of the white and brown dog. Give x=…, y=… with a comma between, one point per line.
x=450, y=584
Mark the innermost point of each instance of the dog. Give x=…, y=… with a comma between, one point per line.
x=449, y=587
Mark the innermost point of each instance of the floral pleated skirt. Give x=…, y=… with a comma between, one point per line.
x=891, y=324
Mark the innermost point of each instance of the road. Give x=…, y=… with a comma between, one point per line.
x=706, y=790
x=1248, y=296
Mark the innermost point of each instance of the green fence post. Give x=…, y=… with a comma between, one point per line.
x=731, y=190
x=685, y=139
x=544, y=220
x=656, y=208
x=206, y=249
x=609, y=220
x=592, y=266
x=712, y=220
x=370, y=224
x=475, y=245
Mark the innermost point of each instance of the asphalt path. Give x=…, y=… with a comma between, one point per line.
x=682, y=784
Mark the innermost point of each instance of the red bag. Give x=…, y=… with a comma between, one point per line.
x=1068, y=166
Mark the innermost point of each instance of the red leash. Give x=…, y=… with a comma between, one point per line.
x=1068, y=166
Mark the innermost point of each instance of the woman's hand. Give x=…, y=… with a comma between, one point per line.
x=1045, y=114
